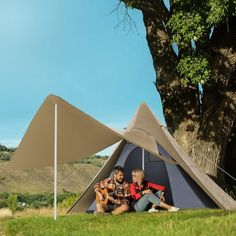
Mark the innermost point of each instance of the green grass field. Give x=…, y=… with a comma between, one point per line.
x=188, y=222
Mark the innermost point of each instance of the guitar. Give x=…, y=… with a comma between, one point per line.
x=104, y=193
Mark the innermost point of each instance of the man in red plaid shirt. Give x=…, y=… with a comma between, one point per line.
x=112, y=194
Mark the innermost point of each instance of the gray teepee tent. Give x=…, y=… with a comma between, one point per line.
x=148, y=145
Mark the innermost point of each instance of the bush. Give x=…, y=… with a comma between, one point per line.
x=26, y=200
x=95, y=160
x=12, y=203
x=3, y=203
x=68, y=201
x=5, y=156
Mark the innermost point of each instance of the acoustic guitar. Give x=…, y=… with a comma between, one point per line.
x=104, y=193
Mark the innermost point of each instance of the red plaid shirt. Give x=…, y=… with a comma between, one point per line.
x=115, y=189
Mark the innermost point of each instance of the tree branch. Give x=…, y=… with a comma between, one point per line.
x=152, y=7
x=120, y=9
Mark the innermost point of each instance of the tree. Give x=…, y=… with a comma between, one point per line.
x=197, y=85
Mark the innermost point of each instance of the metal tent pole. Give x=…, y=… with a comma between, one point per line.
x=55, y=163
x=143, y=154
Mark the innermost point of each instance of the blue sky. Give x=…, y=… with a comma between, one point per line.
x=72, y=49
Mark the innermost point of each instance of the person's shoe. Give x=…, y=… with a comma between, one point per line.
x=152, y=210
x=173, y=209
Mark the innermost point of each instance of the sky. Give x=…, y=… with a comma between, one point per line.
x=75, y=50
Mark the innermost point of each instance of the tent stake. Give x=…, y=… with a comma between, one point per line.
x=55, y=163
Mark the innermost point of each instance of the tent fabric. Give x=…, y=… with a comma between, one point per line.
x=182, y=191
x=217, y=194
x=146, y=141
x=75, y=129
x=145, y=131
x=79, y=135
x=88, y=196
x=147, y=121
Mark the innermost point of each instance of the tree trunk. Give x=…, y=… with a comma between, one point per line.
x=201, y=122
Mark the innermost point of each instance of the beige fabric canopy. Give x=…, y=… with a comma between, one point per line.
x=80, y=135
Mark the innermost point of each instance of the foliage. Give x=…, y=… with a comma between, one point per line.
x=12, y=203
x=6, y=153
x=6, y=149
x=5, y=156
x=195, y=20
x=94, y=160
x=3, y=203
x=186, y=26
x=192, y=21
x=68, y=201
x=219, y=10
x=32, y=200
x=194, y=69
x=188, y=222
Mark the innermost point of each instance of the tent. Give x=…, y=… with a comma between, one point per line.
x=148, y=145
x=59, y=133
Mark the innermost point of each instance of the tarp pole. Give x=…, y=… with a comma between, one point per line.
x=143, y=153
x=55, y=162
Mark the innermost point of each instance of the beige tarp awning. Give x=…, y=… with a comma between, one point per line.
x=79, y=135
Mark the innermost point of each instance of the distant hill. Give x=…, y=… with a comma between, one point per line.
x=72, y=177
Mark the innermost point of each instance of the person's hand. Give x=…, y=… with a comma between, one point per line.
x=162, y=198
x=101, y=198
x=117, y=201
x=147, y=191
x=120, y=195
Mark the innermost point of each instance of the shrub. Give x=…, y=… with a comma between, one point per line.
x=68, y=201
x=21, y=201
x=3, y=203
x=12, y=203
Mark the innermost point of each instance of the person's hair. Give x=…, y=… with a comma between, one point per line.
x=140, y=173
x=118, y=169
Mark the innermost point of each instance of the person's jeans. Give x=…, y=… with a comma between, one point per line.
x=146, y=199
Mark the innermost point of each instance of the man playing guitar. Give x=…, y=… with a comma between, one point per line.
x=112, y=194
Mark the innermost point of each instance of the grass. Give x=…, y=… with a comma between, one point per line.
x=188, y=222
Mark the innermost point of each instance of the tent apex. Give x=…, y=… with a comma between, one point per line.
x=142, y=105
x=53, y=98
